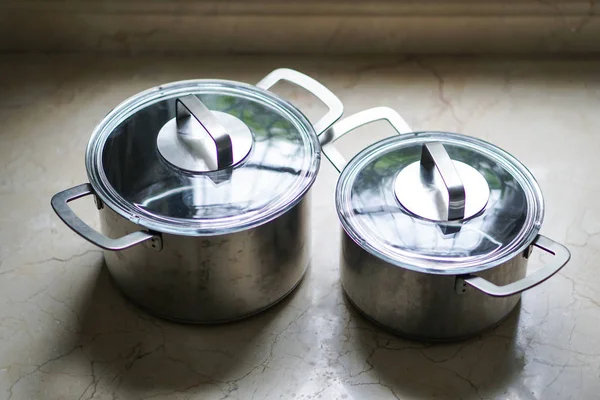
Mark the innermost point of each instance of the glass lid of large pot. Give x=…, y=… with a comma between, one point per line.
x=434, y=201
x=207, y=156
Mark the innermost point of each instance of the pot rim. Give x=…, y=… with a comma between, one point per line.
x=111, y=198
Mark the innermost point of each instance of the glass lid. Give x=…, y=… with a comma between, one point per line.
x=203, y=157
x=439, y=202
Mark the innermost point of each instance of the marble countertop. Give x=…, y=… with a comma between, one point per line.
x=66, y=333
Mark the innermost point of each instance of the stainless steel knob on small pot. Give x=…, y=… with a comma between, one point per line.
x=438, y=188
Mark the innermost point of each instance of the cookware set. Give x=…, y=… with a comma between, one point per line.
x=203, y=193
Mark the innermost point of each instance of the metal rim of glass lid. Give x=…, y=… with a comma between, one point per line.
x=439, y=202
x=202, y=157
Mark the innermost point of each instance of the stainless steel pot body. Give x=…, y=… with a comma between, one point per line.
x=421, y=305
x=212, y=279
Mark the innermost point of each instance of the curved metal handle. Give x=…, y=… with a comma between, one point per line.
x=59, y=204
x=189, y=108
x=561, y=254
x=434, y=155
x=352, y=122
x=336, y=109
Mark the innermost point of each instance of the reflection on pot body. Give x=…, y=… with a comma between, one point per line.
x=212, y=279
x=421, y=305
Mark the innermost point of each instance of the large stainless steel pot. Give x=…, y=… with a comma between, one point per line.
x=202, y=189
x=437, y=229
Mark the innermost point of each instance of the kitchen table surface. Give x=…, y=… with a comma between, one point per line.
x=67, y=333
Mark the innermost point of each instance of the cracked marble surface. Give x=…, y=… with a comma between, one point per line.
x=66, y=333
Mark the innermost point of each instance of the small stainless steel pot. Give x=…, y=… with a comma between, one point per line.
x=437, y=229
x=202, y=189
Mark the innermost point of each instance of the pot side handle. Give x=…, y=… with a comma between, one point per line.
x=65, y=213
x=336, y=109
x=561, y=257
x=352, y=122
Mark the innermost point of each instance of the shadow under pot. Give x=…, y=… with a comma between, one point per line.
x=202, y=191
x=437, y=229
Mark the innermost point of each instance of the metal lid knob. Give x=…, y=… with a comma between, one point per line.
x=200, y=140
x=438, y=188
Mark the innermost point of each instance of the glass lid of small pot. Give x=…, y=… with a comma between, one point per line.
x=439, y=202
x=203, y=157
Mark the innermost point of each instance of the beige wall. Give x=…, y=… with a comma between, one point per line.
x=295, y=26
